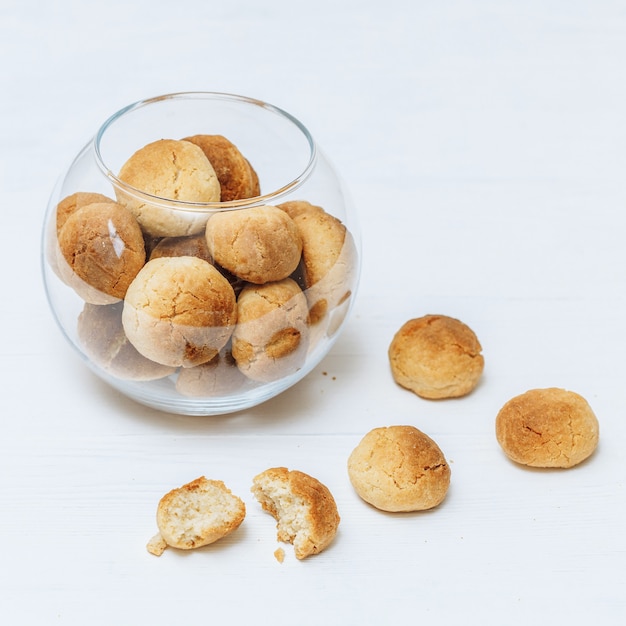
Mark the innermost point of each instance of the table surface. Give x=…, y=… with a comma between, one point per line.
x=484, y=147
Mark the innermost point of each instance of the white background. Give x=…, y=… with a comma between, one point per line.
x=484, y=144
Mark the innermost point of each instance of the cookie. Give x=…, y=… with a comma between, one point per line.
x=195, y=515
x=259, y=244
x=328, y=252
x=549, y=427
x=436, y=357
x=101, y=250
x=219, y=377
x=179, y=311
x=192, y=245
x=399, y=469
x=102, y=337
x=164, y=170
x=237, y=179
x=271, y=337
x=304, y=509
x=75, y=201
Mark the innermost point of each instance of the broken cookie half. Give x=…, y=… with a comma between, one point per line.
x=195, y=515
x=304, y=509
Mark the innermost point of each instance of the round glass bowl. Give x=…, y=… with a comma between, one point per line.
x=201, y=253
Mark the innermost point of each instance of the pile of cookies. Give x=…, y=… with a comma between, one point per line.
x=225, y=296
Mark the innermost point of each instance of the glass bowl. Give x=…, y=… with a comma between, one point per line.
x=201, y=253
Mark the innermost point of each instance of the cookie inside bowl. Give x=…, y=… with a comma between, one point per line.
x=230, y=243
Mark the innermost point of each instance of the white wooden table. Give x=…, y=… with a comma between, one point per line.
x=484, y=145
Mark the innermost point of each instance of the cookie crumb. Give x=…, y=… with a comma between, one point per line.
x=279, y=553
x=156, y=545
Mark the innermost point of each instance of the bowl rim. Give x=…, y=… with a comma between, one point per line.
x=267, y=198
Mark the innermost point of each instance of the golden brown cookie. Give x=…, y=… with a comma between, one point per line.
x=259, y=244
x=271, y=337
x=192, y=245
x=237, y=179
x=218, y=377
x=101, y=251
x=399, y=468
x=328, y=253
x=436, y=356
x=151, y=243
x=75, y=201
x=256, y=185
x=64, y=209
x=304, y=509
x=179, y=311
x=102, y=337
x=195, y=515
x=169, y=169
x=547, y=428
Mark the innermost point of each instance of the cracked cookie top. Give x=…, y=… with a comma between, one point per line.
x=399, y=468
x=547, y=428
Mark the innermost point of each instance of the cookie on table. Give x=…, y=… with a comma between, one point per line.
x=168, y=169
x=195, y=515
x=436, y=357
x=304, y=509
x=549, y=427
x=399, y=469
x=179, y=311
